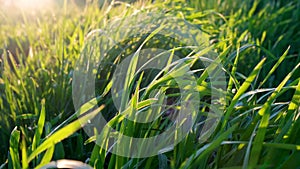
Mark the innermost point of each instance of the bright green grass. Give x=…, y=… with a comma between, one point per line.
x=257, y=42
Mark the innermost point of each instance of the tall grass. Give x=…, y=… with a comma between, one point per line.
x=257, y=43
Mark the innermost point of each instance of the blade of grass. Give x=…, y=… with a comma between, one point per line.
x=64, y=133
x=196, y=158
x=265, y=113
x=47, y=157
x=40, y=127
x=84, y=108
x=293, y=106
x=117, y=119
x=287, y=129
x=235, y=63
x=266, y=144
x=282, y=57
x=14, y=148
x=241, y=91
x=24, y=153
x=246, y=158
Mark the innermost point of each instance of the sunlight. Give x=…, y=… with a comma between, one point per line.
x=28, y=4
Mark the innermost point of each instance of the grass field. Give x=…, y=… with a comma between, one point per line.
x=48, y=53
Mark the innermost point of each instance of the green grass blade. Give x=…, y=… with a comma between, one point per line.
x=196, y=158
x=294, y=107
x=266, y=144
x=163, y=161
x=40, y=127
x=47, y=157
x=84, y=108
x=247, y=155
x=64, y=133
x=24, y=153
x=292, y=161
x=117, y=119
x=241, y=91
x=14, y=148
x=282, y=57
x=288, y=130
x=265, y=113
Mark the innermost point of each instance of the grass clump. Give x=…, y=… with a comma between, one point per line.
x=255, y=41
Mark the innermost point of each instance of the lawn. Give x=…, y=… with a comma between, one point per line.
x=150, y=84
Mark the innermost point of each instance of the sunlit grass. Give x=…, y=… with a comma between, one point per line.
x=256, y=42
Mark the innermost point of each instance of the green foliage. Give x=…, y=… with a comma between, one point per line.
x=257, y=43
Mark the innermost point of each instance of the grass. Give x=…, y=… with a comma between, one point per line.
x=256, y=42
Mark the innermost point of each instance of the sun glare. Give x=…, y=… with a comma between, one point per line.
x=29, y=4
